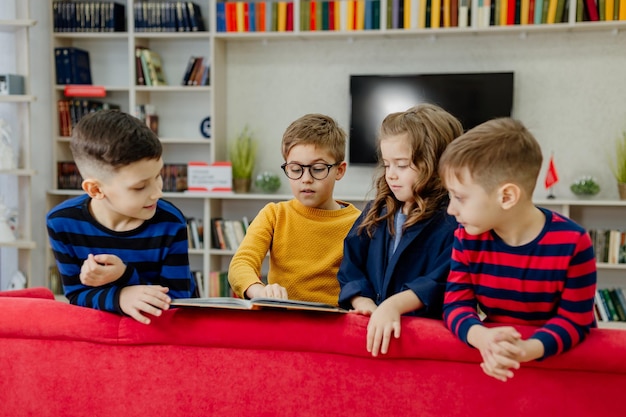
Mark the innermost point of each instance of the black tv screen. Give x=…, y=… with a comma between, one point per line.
x=473, y=98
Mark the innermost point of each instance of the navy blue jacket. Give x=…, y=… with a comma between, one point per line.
x=421, y=263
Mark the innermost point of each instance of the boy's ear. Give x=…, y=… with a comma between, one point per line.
x=509, y=194
x=92, y=188
x=341, y=170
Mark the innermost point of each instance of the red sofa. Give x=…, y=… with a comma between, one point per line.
x=62, y=360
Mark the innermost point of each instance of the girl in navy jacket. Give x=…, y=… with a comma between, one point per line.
x=397, y=254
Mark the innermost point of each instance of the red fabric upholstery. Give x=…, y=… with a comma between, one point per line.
x=62, y=360
x=35, y=292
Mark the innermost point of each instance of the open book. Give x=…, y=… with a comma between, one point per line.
x=255, y=304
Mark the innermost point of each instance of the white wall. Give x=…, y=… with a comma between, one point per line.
x=570, y=89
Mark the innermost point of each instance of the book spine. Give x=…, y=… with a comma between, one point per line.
x=604, y=316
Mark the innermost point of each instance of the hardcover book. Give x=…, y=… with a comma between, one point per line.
x=72, y=66
x=154, y=67
x=258, y=303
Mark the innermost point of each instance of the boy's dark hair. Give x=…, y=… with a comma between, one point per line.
x=495, y=152
x=429, y=129
x=316, y=129
x=109, y=139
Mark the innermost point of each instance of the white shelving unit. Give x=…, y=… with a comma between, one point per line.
x=15, y=184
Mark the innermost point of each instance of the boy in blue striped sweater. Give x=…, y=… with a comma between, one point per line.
x=521, y=264
x=120, y=247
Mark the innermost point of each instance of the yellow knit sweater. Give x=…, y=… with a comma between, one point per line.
x=305, y=245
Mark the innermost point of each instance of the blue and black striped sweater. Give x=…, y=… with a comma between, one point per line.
x=155, y=253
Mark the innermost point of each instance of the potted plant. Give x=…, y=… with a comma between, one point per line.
x=618, y=165
x=242, y=157
x=585, y=187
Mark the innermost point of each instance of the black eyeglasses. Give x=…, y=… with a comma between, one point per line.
x=318, y=171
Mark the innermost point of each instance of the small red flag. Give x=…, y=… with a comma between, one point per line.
x=552, y=177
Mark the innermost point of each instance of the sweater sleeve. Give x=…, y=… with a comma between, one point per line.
x=175, y=272
x=460, y=305
x=352, y=278
x=574, y=316
x=245, y=267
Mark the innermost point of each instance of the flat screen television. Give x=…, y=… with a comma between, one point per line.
x=473, y=98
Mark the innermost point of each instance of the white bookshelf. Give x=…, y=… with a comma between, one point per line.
x=15, y=184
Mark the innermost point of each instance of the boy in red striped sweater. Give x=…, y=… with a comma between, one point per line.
x=520, y=264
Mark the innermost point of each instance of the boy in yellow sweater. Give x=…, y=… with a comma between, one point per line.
x=305, y=234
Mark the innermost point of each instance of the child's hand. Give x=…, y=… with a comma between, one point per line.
x=500, y=349
x=269, y=291
x=98, y=270
x=151, y=299
x=362, y=305
x=274, y=291
x=384, y=321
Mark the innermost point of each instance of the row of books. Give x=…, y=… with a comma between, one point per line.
x=528, y=12
x=195, y=233
x=254, y=16
x=197, y=72
x=218, y=285
x=72, y=110
x=88, y=16
x=174, y=179
x=72, y=66
x=228, y=234
x=315, y=15
x=68, y=177
x=148, y=67
x=168, y=16
x=609, y=245
x=606, y=9
x=610, y=304
x=277, y=15
x=147, y=114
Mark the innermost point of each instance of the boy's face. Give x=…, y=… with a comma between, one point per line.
x=132, y=192
x=473, y=207
x=307, y=190
x=400, y=173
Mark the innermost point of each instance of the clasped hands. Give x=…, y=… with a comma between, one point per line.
x=503, y=349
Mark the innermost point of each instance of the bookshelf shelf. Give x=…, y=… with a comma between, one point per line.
x=19, y=244
x=174, y=89
x=174, y=36
x=60, y=88
x=181, y=141
x=604, y=265
x=90, y=35
x=15, y=25
x=17, y=98
x=18, y=172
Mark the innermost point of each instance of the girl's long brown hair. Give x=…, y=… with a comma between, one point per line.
x=429, y=130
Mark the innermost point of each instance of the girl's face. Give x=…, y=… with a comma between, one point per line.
x=400, y=172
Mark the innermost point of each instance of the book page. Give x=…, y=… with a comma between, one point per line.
x=216, y=302
x=255, y=304
x=262, y=302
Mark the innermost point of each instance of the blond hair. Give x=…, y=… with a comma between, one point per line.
x=495, y=152
x=316, y=129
